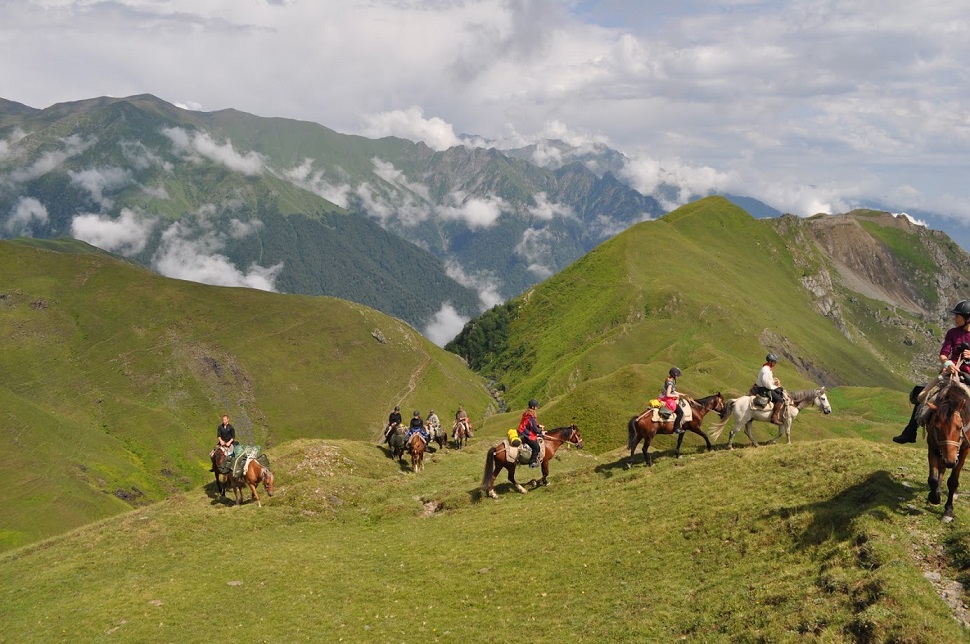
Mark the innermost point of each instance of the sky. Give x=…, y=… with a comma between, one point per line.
x=811, y=106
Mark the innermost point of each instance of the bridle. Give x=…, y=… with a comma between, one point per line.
x=573, y=431
x=964, y=429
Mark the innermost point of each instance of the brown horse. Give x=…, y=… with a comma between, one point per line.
x=460, y=433
x=947, y=441
x=643, y=428
x=496, y=460
x=255, y=474
x=219, y=456
x=416, y=449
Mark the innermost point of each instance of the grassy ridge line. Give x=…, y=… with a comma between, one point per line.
x=762, y=544
x=116, y=377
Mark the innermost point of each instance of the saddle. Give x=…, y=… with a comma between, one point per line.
x=241, y=459
x=522, y=453
x=663, y=415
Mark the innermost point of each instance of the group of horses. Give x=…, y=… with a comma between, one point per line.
x=417, y=446
x=645, y=427
x=253, y=474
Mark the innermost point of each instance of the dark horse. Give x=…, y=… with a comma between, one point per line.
x=255, y=474
x=496, y=460
x=397, y=442
x=947, y=441
x=643, y=428
x=218, y=458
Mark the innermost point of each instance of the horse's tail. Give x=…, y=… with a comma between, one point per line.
x=489, y=476
x=631, y=433
x=725, y=414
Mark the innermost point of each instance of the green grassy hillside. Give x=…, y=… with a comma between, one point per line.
x=826, y=540
x=114, y=380
x=706, y=288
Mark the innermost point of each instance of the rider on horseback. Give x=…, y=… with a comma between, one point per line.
x=670, y=398
x=433, y=424
x=393, y=421
x=530, y=430
x=417, y=427
x=226, y=435
x=956, y=348
x=767, y=385
x=461, y=417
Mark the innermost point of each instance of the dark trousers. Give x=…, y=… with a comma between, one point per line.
x=678, y=416
x=534, y=444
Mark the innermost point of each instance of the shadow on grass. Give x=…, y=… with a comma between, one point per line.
x=879, y=496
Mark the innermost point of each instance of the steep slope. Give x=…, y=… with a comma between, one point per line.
x=115, y=378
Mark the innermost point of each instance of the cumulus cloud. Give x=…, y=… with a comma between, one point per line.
x=97, y=181
x=410, y=124
x=475, y=212
x=142, y=158
x=488, y=286
x=6, y=145
x=26, y=211
x=445, y=325
x=194, y=253
x=198, y=145
x=304, y=176
x=126, y=235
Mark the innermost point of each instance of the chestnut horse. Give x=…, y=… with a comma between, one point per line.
x=643, y=428
x=416, y=449
x=947, y=441
x=219, y=456
x=255, y=474
x=495, y=462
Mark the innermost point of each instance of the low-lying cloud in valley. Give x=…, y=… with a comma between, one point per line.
x=127, y=235
x=198, y=145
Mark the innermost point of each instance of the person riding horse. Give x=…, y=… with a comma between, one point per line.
x=530, y=430
x=393, y=421
x=433, y=424
x=417, y=427
x=226, y=435
x=671, y=399
x=767, y=385
x=955, y=351
x=461, y=418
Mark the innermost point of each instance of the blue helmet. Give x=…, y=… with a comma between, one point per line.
x=533, y=404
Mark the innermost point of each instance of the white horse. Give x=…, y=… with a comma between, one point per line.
x=745, y=413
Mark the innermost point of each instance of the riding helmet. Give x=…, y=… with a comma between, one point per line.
x=533, y=404
x=416, y=413
x=397, y=408
x=962, y=308
x=771, y=358
x=675, y=372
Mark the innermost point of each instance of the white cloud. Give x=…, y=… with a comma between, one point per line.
x=97, y=181
x=312, y=180
x=475, y=212
x=127, y=235
x=240, y=229
x=25, y=211
x=546, y=210
x=194, y=254
x=488, y=286
x=156, y=192
x=535, y=248
x=445, y=325
x=72, y=146
x=6, y=145
x=411, y=124
x=142, y=158
x=200, y=144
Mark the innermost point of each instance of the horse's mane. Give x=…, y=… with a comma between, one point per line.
x=561, y=429
x=804, y=394
x=954, y=397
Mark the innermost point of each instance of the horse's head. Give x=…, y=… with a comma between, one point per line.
x=822, y=401
x=268, y=482
x=717, y=403
x=948, y=423
x=575, y=437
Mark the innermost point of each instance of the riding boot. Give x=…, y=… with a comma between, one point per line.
x=909, y=432
x=776, y=414
x=678, y=429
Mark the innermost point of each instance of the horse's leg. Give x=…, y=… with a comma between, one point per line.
x=647, y=456
x=700, y=432
x=734, y=430
x=933, y=481
x=680, y=439
x=252, y=488
x=747, y=430
x=511, y=468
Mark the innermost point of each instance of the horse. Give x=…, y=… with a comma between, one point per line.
x=397, y=442
x=219, y=456
x=947, y=441
x=643, y=428
x=438, y=435
x=460, y=432
x=495, y=461
x=255, y=474
x=745, y=412
x=416, y=449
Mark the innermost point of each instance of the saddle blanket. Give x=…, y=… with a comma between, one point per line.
x=669, y=417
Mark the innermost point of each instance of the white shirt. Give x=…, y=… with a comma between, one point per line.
x=766, y=378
